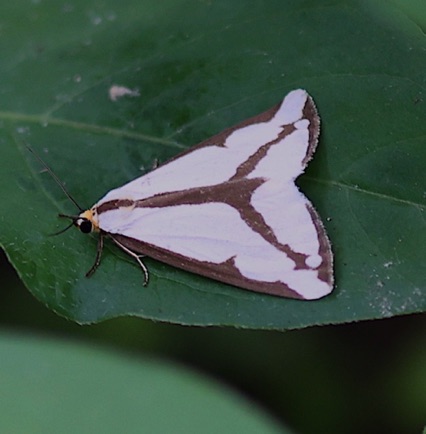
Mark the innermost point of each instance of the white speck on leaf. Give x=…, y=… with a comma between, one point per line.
x=116, y=92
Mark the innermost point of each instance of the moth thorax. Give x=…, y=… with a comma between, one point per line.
x=88, y=221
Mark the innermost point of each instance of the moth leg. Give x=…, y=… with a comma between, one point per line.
x=138, y=259
x=98, y=255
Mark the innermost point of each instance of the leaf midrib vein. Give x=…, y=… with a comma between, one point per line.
x=98, y=129
x=339, y=184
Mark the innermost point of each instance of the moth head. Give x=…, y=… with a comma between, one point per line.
x=86, y=221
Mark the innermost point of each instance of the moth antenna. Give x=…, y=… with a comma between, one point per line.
x=72, y=217
x=62, y=230
x=68, y=216
x=55, y=178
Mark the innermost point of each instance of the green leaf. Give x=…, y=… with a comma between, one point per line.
x=201, y=67
x=68, y=388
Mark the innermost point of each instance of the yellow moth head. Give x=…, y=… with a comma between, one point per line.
x=87, y=221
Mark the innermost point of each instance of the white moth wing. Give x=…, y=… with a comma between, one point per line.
x=214, y=233
x=215, y=159
x=229, y=208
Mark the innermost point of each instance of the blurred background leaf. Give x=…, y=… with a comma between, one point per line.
x=49, y=386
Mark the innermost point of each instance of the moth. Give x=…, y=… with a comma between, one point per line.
x=229, y=208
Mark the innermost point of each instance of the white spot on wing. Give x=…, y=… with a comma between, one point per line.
x=313, y=261
x=302, y=125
